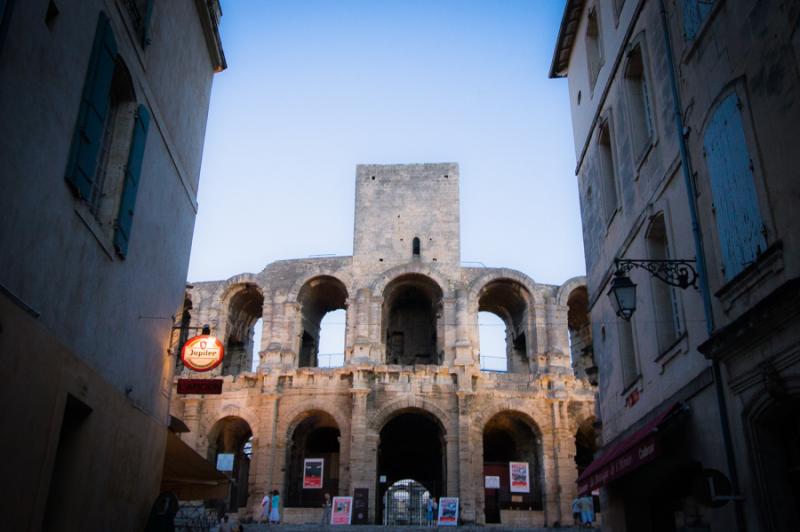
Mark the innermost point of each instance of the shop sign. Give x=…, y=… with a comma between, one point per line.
x=200, y=386
x=448, y=511
x=342, y=510
x=202, y=353
x=630, y=460
x=519, y=477
x=312, y=473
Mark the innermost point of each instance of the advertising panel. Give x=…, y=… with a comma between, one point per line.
x=448, y=511
x=342, y=510
x=312, y=473
x=519, y=477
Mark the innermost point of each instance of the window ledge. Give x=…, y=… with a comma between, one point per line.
x=651, y=144
x=679, y=346
x=766, y=265
x=631, y=385
x=94, y=227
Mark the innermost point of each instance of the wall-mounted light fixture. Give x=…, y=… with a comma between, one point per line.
x=622, y=293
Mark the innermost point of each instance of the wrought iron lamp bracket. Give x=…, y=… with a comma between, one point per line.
x=680, y=273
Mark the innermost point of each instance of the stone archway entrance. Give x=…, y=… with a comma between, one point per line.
x=411, y=462
x=316, y=436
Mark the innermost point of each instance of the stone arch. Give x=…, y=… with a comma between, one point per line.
x=241, y=306
x=228, y=437
x=405, y=404
x=503, y=274
x=379, y=285
x=564, y=291
x=767, y=424
x=342, y=276
x=289, y=420
x=318, y=296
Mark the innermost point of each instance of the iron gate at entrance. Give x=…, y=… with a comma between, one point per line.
x=406, y=503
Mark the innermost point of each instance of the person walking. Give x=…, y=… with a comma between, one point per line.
x=326, y=510
x=576, y=512
x=265, y=505
x=587, y=511
x=274, y=508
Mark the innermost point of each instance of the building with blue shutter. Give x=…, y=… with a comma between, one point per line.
x=103, y=107
x=685, y=116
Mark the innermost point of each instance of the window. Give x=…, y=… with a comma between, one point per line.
x=139, y=12
x=415, y=247
x=639, y=113
x=665, y=301
x=608, y=173
x=694, y=13
x=594, y=47
x=627, y=353
x=740, y=230
x=105, y=160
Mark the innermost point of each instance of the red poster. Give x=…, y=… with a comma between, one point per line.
x=312, y=473
x=342, y=510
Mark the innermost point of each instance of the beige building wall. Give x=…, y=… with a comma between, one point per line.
x=628, y=150
x=85, y=327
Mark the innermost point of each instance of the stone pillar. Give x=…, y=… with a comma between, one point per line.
x=361, y=476
x=362, y=311
x=273, y=336
x=375, y=331
x=537, y=346
x=565, y=459
x=464, y=355
x=550, y=470
x=261, y=462
x=558, y=355
x=466, y=458
x=191, y=416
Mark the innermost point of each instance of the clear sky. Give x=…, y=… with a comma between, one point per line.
x=315, y=87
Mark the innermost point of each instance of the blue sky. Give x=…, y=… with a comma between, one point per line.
x=315, y=87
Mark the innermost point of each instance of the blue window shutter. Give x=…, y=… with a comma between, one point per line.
x=92, y=113
x=148, y=13
x=133, y=170
x=739, y=224
x=694, y=13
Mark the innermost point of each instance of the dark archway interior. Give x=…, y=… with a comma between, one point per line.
x=585, y=445
x=778, y=445
x=230, y=436
x=410, y=316
x=580, y=334
x=244, y=310
x=508, y=300
x=412, y=447
x=317, y=436
x=508, y=437
x=317, y=297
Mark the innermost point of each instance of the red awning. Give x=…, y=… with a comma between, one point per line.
x=632, y=452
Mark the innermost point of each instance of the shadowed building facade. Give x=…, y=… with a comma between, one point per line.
x=410, y=408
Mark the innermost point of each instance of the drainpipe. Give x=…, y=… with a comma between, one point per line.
x=702, y=270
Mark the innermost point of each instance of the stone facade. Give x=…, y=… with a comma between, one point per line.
x=410, y=400
x=682, y=115
x=97, y=97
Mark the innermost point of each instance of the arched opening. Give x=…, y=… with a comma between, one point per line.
x=411, y=312
x=585, y=444
x=315, y=437
x=492, y=335
x=406, y=503
x=415, y=247
x=244, y=310
x=412, y=447
x=229, y=451
x=508, y=300
x=580, y=334
x=317, y=298
x=258, y=331
x=510, y=437
x=776, y=448
x=331, y=339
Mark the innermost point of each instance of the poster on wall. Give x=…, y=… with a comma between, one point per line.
x=448, y=511
x=519, y=477
x=225, y=462
x=312, y=473
x=492, y=482
x=342, y=510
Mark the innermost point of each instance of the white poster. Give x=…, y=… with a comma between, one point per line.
x=492, y=482
x=519, y=477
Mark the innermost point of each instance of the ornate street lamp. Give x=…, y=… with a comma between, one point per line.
x=679, y=273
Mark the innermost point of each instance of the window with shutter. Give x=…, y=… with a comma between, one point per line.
x=740, y=230
x=694, y=13
x=133, y=170
x=92, y=124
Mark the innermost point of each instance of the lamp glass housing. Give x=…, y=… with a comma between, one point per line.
x=623, y=295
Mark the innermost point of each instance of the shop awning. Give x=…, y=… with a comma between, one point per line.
x=188, y=475
x=626, y=456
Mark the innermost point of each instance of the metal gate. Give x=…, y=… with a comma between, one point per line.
x=406, y=503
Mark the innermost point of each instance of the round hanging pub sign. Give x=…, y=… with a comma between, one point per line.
x=202, y=353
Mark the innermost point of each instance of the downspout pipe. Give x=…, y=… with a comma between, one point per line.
x=702, y=269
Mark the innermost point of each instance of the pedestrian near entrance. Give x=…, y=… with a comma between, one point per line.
x=265, y=508
x=326, y=510
x=576, y=511
x=274, y=508
x=430, y=511
x=587, y=511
